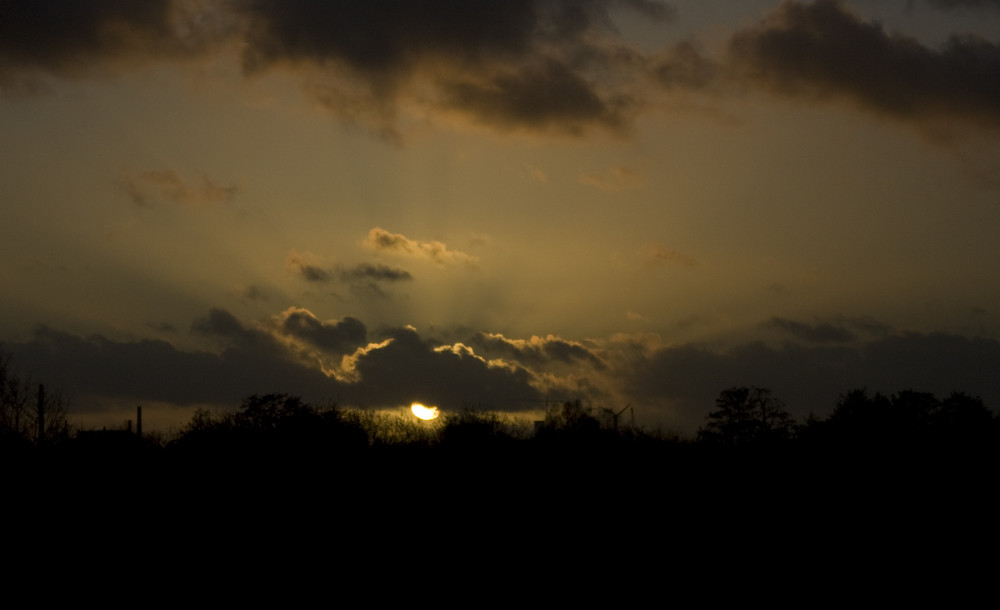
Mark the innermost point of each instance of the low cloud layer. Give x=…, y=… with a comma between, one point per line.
x=396, y=367
x=670, y=385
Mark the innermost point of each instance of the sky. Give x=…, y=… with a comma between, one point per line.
x=499, y=204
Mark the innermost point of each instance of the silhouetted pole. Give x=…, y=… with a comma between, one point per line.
x=41, y=413
x=138, y=421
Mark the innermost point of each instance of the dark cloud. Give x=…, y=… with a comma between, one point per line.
x=537, y=350
x=53, y=34
x=363, y=279
x=304, y=265
x=220, y=322
x=953, y=4
x=823, y=49
x=253, y=293
x=819, y=332
x=385, y=36
x=163, y=327
x=548, y=95
x=95, y=368
x=402, y=368
x=314, y=274
x=686, y=379
x=678, y=383
x=410, y=368
x=377, y=272
x=533, y=64
x=69, y=38
x=339, y=337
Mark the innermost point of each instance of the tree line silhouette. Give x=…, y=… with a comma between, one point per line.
x=751, y=477
x=908, y=473
x=745, y=419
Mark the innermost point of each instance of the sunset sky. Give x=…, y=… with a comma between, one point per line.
x=497, y=203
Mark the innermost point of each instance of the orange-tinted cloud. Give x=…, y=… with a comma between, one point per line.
x=383, y=241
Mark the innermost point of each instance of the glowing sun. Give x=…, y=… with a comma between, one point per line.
x=424, y=412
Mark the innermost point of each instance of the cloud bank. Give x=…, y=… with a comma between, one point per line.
x=532, y=65
x=343, y=361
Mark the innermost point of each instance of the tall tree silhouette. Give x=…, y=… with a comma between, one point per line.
x=747, y=415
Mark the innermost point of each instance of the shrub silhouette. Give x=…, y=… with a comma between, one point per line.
x=478, y=430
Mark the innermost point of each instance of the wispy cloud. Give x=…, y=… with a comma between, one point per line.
x=383, y=241
x=152, y=188
x=817, y=332
x=617, y=178
x=308, y=266
x=657, y=254
x=365, y=279
x=536, y=173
